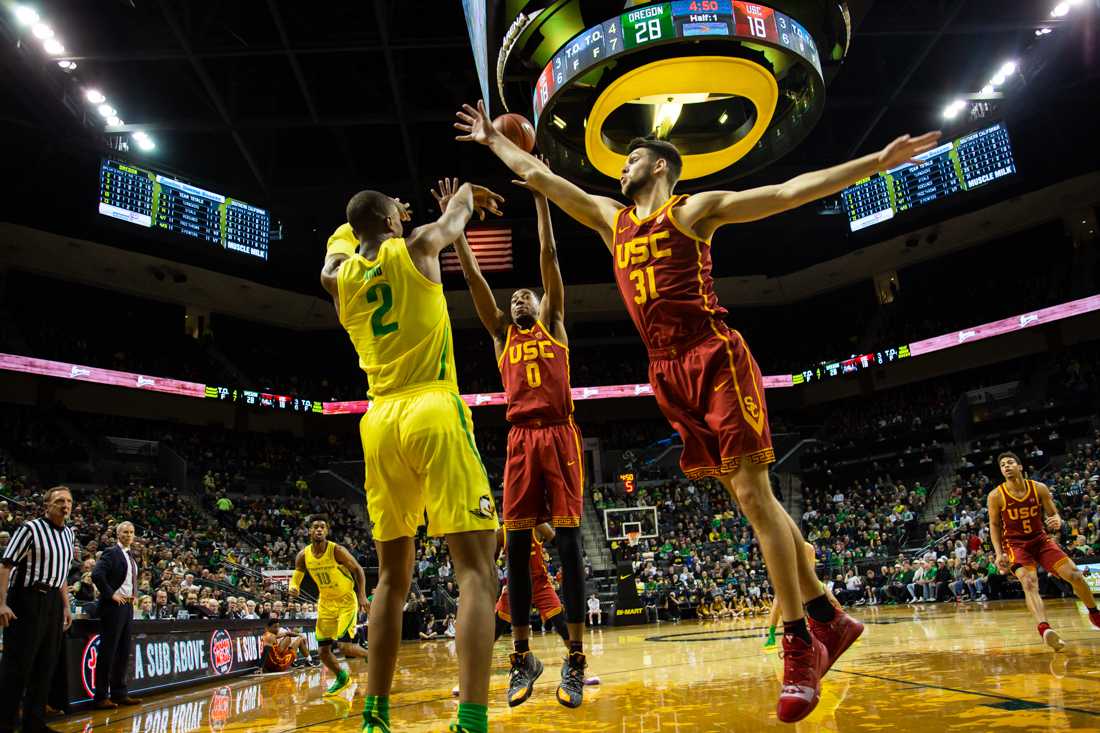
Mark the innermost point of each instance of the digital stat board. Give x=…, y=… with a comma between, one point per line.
x=668, y=22
x=153, y=200
x=970, y=161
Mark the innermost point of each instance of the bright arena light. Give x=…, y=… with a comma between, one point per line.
x=1060, y=10
x=53, y=47
x=106, y=110
x=1008, y=68
x=67, y=65
x=25, y=15
x=94, y=96
x=953, y=109
x=143, y=140
x=43, y=31
x=114, y=121
x=987, y=89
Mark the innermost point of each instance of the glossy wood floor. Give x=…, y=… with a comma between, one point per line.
x=925, y=668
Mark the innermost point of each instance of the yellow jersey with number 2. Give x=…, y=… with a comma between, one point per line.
x=396, y=318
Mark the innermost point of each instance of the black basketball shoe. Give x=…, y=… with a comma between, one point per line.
x=526, y=668
x=571, y=689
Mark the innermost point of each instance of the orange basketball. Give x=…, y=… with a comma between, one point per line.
x=517, y=129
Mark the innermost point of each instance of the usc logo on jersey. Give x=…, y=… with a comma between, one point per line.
x=1023, y=512
x=641, y=249
x=529, y=351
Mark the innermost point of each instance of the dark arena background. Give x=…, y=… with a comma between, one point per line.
x=174, y=170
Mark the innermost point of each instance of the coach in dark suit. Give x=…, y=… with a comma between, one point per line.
x=116, y=576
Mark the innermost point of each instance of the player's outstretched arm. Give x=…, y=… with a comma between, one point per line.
x=431, y=239
x=492, y=317
x=705, y=212
x=553, y=289
x=1053, y=519
x=595, y=212
x=996, y=528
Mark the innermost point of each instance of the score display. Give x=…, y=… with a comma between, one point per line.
x=669, y=22
x=851, y=365
x=960, y=165
x=153, y=200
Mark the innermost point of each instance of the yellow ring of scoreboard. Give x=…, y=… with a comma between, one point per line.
x=687, y=75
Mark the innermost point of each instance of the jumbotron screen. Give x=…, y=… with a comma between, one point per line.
x=967, y=162
x=153, y=200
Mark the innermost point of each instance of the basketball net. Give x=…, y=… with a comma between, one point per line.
x=632, y=538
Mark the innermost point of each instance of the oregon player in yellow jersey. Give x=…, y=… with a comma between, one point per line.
x=418, y=441
x=342, y=593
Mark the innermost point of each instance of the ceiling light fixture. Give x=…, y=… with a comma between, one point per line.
x=94, y=96
x=25, y=15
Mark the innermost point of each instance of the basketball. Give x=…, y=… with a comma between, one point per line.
x=518, y=129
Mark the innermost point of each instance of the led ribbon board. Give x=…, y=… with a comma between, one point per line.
x=686, y=51
x=1023, y=321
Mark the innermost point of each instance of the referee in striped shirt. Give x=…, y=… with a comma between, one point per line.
x=34, y=608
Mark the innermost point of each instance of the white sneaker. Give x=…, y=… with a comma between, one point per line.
x=1050, y=636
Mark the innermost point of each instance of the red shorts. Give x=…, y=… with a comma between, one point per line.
x=713, y=394
x=1040, y=551
x=543, y=476
x=543, y=598
x=278, y=660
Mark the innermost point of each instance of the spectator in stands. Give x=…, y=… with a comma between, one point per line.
x=427, y=627
x=595, y=614
x=145, y=609
x=250, y=610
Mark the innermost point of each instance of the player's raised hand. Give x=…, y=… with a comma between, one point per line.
x=404, y=209
x=906, y=148
x=475, y=123
x=486, y=200
x=444, y=191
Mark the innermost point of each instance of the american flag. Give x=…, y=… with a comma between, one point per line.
x=492, y=246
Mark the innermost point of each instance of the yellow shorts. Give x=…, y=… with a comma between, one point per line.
x=336, y=619
x=419, y=456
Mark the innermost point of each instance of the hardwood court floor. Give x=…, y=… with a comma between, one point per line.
x=925, y=668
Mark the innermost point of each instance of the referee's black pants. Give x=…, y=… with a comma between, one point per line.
x=113, y=658
x=32, y=643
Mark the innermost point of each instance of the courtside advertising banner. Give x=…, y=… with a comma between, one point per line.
x=166, y=654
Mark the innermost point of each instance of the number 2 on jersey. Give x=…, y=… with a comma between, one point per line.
x=383, y=292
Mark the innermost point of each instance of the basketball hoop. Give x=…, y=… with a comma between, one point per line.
x=632, y=538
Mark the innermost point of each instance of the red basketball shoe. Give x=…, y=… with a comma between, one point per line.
x=1094, y=618
x=803, y=665
x=837, y=635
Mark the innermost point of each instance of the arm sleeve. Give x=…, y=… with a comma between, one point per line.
x=99, y=576
x=18, y=546
x=296, y=580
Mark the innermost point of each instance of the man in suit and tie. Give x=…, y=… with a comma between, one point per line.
x=115, y=575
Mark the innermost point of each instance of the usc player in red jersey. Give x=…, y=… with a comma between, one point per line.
x=544, y=469
x=704, y=378
x=1018, y=528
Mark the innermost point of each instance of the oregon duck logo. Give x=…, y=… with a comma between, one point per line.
x=485, y=508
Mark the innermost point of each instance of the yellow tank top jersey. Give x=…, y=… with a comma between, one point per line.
x=333, y=579
x=397, y=320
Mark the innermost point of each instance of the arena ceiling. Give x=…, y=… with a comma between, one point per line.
x=294, y=106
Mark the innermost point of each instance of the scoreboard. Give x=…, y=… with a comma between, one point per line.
x=851, y=365
x=668, y=22
x=960, y=165
x=156, y=201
